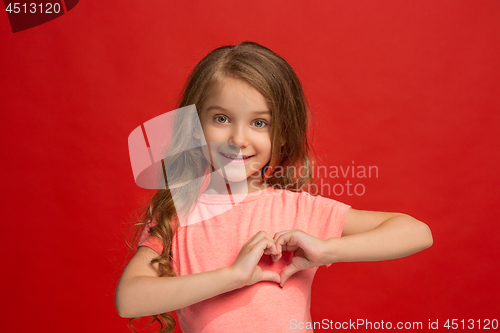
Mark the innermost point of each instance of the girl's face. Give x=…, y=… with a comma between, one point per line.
x=236, y=122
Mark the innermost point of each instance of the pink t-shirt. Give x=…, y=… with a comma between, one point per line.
x=216, y=242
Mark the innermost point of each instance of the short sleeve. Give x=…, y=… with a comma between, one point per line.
x=325, y=217
x=150, y=241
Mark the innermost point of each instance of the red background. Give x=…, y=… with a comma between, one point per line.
x=412, y=87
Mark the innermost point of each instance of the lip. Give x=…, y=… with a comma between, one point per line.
x=236, y=161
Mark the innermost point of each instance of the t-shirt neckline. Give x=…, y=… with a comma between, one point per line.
x=236, y=197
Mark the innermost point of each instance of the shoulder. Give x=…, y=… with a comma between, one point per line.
x=148, y=240
x=316, y=215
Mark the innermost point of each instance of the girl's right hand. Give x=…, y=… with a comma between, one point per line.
x=245, y=266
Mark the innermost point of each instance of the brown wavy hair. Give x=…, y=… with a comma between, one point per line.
x=275, y=79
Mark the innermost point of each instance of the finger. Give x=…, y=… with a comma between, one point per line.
x=272, y=251
x=276, y=252
x=281, y=244
x=264, y=245
x=286, y=273
x=287, y=241
x=258, y=237
x=270, y=276
x=276, y=235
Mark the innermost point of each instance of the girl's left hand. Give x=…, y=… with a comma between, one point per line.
x=308, y=251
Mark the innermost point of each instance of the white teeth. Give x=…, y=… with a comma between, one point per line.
x=235, y=158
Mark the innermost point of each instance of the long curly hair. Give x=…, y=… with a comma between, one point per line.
x=275, y=79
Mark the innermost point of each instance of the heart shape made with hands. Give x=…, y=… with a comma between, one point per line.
x=294, y=250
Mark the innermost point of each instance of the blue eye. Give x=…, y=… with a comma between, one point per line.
x=261, y=122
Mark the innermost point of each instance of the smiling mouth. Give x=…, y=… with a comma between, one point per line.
x=235, y=157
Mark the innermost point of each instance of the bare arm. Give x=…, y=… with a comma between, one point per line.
x=142, y=292
x=367, y=236
x=370, y=236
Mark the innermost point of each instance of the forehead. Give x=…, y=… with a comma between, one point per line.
x=236, y=95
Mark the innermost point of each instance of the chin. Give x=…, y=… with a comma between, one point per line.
x=234, y=176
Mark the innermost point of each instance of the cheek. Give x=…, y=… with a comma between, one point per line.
x=265, y=144
x=212, y=134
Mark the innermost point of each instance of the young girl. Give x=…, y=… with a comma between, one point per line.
x=248, y=266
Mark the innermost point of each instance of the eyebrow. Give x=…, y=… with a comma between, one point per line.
x=216, y=107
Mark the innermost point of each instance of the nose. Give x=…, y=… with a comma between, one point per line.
x=238, y=137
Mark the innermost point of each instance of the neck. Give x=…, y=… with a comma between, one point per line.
x=219, y=185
